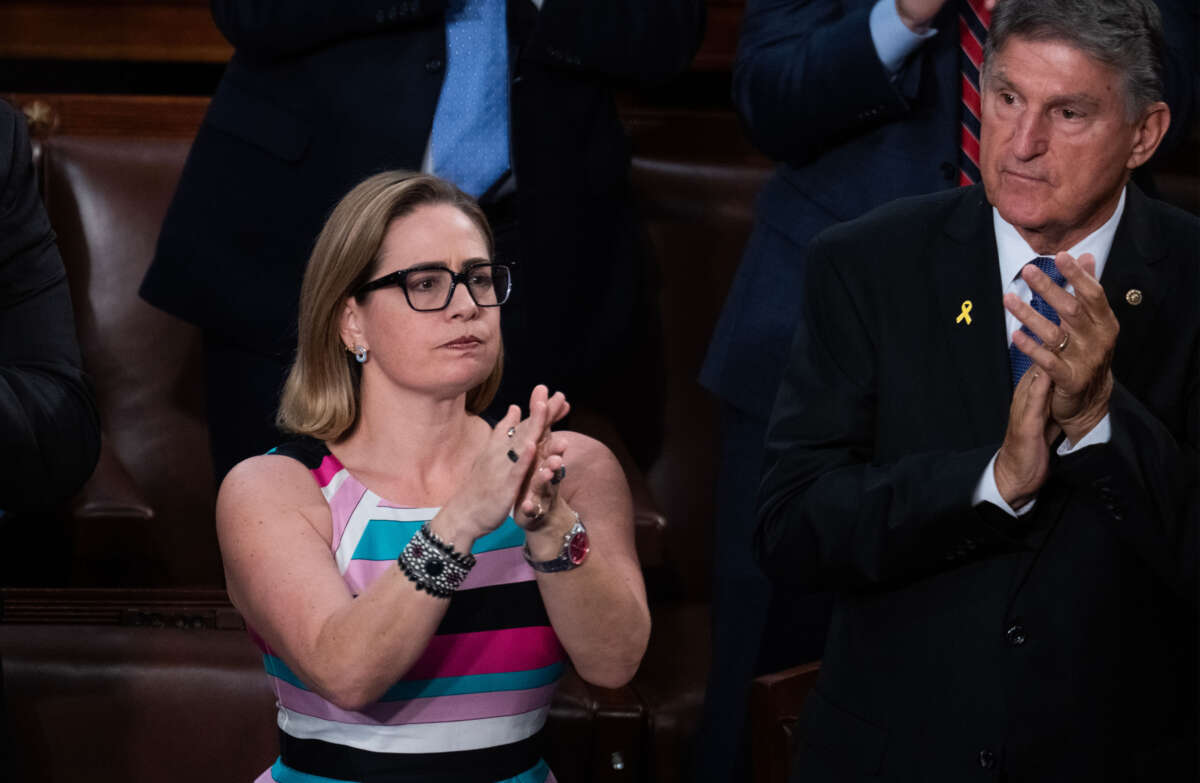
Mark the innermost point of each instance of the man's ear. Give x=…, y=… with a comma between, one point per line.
x=351, y=327
x=1148, y=133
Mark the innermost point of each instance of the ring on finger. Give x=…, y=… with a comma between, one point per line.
x=512, y=455
x=538, y=514
x=559, y=474
x=1065, y=340
x=511, y=431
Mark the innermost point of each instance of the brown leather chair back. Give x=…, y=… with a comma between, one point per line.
x=136, y=705
x=698, y=217
x=146, y=516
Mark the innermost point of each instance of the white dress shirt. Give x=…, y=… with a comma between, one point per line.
x=1015, y=253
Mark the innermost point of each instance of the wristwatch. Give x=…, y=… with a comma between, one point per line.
x=574, y=549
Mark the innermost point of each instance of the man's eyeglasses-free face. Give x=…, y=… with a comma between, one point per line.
x=429, y=288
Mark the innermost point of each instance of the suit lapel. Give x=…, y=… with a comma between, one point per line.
x=965, y=269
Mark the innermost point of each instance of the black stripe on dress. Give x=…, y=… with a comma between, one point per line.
x=485, y=765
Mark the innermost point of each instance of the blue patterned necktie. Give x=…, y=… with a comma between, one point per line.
x=469, y=144
x=1017, y=360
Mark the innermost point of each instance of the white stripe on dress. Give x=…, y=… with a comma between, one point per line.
x=420, y=737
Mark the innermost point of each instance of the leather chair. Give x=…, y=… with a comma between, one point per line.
x=775, y=703
x=696, y=192
x=139, y=685
x=146, y=516
x=133, y=687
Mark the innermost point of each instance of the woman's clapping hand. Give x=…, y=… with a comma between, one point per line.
x=514, y=469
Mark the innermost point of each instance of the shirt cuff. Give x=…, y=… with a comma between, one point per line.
x=986, y=491
x=893, y=40
x=1101, y=433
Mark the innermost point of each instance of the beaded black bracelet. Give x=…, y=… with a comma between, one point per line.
x=466, y=560
x=433, y=565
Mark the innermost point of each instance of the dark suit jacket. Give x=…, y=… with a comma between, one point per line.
x=49, y=428
x=813, y=95
x=1058, y=647
x=320, y=95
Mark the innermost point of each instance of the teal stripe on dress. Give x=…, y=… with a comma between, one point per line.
x=442, y=686
x=384, y=538
x=538, y=773
x=278, y=669
x=282, y=773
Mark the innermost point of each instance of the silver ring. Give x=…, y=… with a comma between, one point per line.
x=537, y=514
x=511, y=431
x=1063, y=345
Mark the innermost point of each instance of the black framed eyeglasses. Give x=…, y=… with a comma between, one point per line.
x=429, y=288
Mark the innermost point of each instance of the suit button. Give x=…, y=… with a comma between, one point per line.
x=434, y=64
x=1016, y=635
x=987, y=759
x=949, y=170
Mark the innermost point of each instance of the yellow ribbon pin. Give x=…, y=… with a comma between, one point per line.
x=965, y=314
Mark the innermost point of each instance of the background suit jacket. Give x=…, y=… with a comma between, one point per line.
x=813, y=95
x=320, y=95
x=1058, y=647
x=49, y=428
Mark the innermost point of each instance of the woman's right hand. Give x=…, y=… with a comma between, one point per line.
x=489, y=490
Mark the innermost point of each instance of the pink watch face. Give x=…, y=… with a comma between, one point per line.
x=578, y=548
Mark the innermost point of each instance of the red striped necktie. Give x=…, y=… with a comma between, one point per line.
x=973, y=20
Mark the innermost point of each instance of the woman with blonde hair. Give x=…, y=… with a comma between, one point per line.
x=416, y=577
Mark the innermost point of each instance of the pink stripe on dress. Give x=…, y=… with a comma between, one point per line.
x=434, y=709
x=498, y=567
x=328, y=468
x=342, y=506
x=487, y=652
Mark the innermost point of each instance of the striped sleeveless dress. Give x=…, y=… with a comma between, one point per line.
x=471, y=708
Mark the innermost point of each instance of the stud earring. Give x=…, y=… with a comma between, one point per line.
x=360, y=354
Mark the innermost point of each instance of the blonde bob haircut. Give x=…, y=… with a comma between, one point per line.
x=320, y=395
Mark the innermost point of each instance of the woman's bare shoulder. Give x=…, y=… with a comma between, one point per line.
x=270, y=484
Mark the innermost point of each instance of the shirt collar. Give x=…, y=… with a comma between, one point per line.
x=1015, y=252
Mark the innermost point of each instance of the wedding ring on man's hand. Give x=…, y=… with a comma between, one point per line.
x=559, y=474
x=1066, y=339
x=513, y=456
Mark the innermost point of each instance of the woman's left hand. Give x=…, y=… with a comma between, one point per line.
x=539, y=495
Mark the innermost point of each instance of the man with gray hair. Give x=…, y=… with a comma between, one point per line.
x=986, y=440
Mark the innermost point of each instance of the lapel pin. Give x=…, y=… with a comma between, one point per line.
x=965, y=315
x=1133, y=296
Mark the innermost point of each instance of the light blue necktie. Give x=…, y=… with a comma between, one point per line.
x=469, y=144
x=1017, y=360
